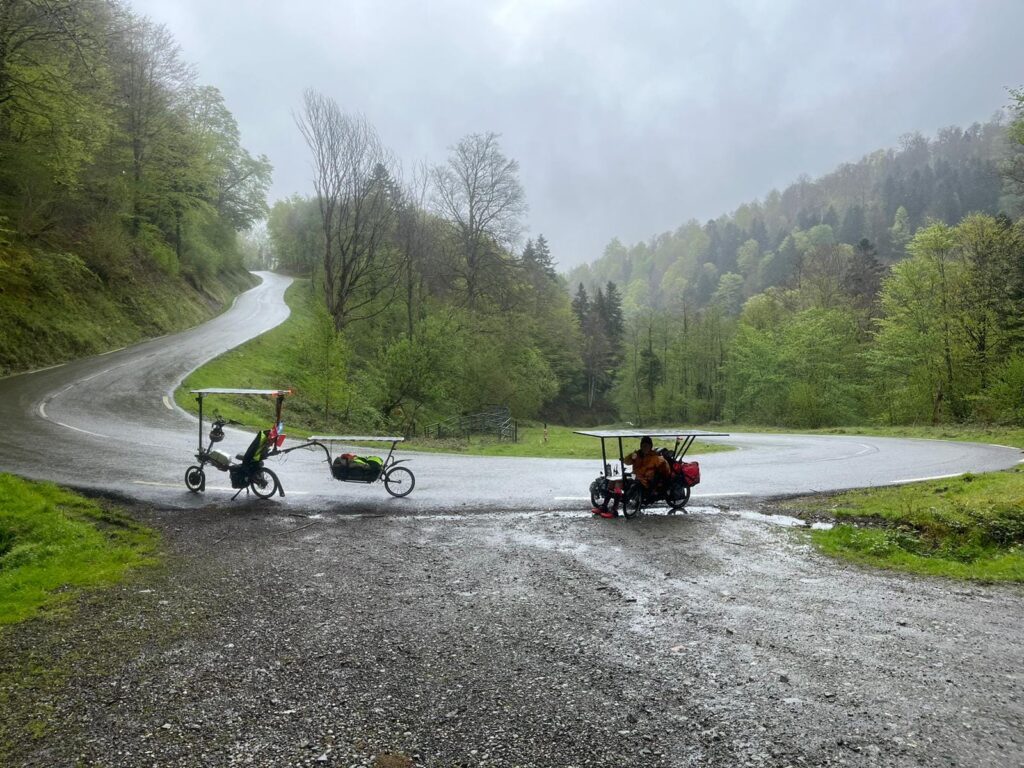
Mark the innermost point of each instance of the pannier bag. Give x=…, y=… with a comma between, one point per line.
x=220, y=459
x=691, y=472
x=239, y=477
x=364, y=469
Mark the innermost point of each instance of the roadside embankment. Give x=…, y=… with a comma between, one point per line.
x=53, y=308
x=967, y=527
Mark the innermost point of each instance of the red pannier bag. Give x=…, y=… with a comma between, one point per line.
x=691, y=472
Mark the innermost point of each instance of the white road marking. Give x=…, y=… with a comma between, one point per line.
x=110, y=352
x=923, y=479
x=83, y=431
x=42, y=409
x=167, y=402
x=37, y=370
x=571, y=498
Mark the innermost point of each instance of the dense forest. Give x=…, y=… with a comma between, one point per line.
x=123, y=183
x=890, y=290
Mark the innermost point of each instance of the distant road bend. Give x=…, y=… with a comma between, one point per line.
x=108, y=422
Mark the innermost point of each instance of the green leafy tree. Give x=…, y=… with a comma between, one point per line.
x=1012, y=167
x=918, y=353
x=900, y=232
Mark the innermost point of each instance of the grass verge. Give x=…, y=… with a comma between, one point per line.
x=278, y=359
x=561, y=443
x=968, y=527
x=53, y=542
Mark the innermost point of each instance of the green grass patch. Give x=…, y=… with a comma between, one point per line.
x=53, y=542
x=561, y=443
x=968, y=527
x=277, y=359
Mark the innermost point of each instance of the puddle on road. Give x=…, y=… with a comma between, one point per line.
x=785, y=521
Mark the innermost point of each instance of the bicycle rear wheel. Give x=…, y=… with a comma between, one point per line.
x=264, y=483
x=399, y=482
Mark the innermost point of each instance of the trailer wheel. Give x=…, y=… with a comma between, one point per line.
x=399, y=482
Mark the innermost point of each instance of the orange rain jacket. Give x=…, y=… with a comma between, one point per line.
x=647, y=467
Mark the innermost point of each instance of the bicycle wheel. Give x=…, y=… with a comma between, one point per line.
x=195, y=478
x=399, y=482
x=597, y=490
x=633, y=501
x=263, y=482
x=678, y=495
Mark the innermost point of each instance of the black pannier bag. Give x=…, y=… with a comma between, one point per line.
x=355, y=469
x=239, y=477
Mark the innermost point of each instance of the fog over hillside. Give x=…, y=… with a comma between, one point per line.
x=626, y=119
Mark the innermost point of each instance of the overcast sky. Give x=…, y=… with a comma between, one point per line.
x=627, y=118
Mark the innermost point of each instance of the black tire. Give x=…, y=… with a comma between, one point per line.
x=263, y=482
x=399, y=481
x=597, y=490
x=195, y=478
x=678, y=495
x=633, y=501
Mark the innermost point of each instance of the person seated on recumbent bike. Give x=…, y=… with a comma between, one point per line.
x=650, y=470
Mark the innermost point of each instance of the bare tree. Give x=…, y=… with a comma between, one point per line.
x=413, y=236
x=357, y=199
x=479, y=194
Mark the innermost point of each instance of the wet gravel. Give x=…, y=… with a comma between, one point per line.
x=513, y=639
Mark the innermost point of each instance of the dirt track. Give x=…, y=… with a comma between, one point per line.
x=518, y=640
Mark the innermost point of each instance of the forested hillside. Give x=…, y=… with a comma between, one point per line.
x=426, y=308
x=884, y=198
x=123, y=183
x=890, y=290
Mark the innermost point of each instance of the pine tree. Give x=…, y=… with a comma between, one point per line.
x=542, y=256
x=581, y=305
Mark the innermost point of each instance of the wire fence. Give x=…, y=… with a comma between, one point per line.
x=496, y=421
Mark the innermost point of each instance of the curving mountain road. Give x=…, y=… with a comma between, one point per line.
x=107, y=422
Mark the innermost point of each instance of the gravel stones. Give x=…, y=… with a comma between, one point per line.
x=512, y=640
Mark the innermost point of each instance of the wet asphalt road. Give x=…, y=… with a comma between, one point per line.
x=494, y=624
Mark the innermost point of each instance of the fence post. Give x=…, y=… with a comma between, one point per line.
x=515, y=431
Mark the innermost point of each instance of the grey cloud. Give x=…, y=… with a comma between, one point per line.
x=627, y=118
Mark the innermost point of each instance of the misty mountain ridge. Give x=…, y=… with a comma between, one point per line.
x=883, y=198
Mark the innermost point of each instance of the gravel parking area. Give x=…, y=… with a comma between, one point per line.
x=513, y=639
